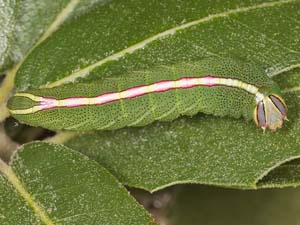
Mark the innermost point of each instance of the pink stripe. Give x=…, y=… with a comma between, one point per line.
x=44, y=107
x=106, y=98
x=47, y=103
x=161, y=86
x=188, y=82
x=136, y=91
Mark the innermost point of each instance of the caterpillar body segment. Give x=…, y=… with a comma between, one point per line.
x=218, y=86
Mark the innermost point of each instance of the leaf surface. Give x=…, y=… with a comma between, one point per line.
x=203, y=149
x=6, y=28
x=194, y=150
x=22, y=23
x=103, y=42
x=51, y=184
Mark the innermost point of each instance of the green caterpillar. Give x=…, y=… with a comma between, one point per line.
x=218, y=86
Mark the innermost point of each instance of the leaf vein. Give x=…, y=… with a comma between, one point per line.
x=16, y=182
x=264, y=35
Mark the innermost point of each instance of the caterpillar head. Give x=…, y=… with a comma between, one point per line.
x=270, y=111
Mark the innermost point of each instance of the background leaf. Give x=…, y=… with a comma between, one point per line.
x=51, y=184
x=23, y=26
x=6, y=30
x=23, y=22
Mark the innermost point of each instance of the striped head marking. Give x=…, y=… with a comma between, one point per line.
x=270, y=111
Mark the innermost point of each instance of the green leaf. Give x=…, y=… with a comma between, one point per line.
x=51, y=184
x=201, y=150
x=103, y=42
x=204, y=149
x=6, y=31
x=285, y=175
x=215, y=206
x=22, y=23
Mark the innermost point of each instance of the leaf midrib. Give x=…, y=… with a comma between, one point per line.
x=21, y=189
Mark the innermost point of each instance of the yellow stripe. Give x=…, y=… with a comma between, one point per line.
x=26, y=111
x=30, y=96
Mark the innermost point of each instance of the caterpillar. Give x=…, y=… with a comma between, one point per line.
x=218, y=86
